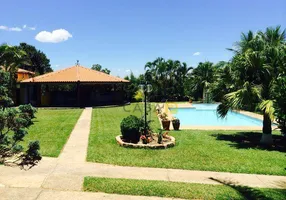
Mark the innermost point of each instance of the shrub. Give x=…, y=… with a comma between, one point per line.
x=164, y=116
x=130, y=128
x=280, y=103
x=13, y=129
x=14, y=124
x=138, y=95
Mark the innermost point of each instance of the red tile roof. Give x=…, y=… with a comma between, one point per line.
x=24, y=71
x=75, y=74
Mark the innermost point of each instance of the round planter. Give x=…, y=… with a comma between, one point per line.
x=176, y=126
x=166, y=124
x=168, y=142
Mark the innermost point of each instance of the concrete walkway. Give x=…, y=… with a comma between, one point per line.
x=63, y=176
x=73, y=154
x=42, y=194
x=75, y=149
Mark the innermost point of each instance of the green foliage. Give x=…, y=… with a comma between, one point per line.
x=31, y=156
x=201, y=79
x=5, y=100
x=98, y=67
x=130, y=128
x=259, y=59
x=168, y=78
x=11, y=57
x=280, y=103
x=132, y=88
x=164, y=116
x=14, y=122
x=138, y=95
x=13, y=128
x=37, y=61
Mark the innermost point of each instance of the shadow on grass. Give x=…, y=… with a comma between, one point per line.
x=248, y=192
x=245, y=140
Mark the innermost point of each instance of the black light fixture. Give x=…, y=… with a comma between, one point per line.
x=145, y=88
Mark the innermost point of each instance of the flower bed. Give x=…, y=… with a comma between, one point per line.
x=167, y=142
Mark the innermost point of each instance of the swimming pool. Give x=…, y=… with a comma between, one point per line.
x=206, y=115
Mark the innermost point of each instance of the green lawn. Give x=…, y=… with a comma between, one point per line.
x=52, y=128
x=227, y=151
x=179, y=190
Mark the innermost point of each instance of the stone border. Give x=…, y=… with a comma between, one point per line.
x=146, y=146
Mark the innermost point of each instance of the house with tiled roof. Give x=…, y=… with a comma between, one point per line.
x=73, y=86
x=22, y=74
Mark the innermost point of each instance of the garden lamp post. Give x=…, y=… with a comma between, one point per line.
x=145, y=88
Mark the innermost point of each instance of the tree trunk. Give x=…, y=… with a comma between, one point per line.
x=204, y=95
x=267, y=130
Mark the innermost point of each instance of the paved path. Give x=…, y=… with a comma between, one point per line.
x=73, y=154
x=63, y=176
x=75, y=149
x=42, y=194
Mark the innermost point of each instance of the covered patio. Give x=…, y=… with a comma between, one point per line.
x=74, y=86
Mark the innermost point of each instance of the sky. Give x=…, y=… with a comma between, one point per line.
x=123, y=35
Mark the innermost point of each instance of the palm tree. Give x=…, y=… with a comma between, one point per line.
x=257, y=64
x=224, y=78
x=181, y=78
x=202, y=77
x=10, y=58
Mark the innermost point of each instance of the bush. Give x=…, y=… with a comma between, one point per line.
x=130, y=128
x=280, y=103
x=138, y=95
x=13, y=129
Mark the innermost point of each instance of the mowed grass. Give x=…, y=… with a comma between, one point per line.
x=179, y=190
x=52, y=128
x=194, y=150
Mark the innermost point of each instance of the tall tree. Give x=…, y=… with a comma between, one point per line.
x=257, y=63
x=201, y=79
x=38, y=61
x=11, y=57
x=98, y=67
x=168, y=78
x=14, y=123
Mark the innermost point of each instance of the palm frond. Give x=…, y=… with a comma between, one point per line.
x=267, y=107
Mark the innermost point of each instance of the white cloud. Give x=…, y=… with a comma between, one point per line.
x=6, y=28
x=127, y=70
x=3, y=28
x=55, y=36
x=197, y=54
x=15, y=29
x=29, y=27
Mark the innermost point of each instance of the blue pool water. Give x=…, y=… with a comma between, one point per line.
x=206, y=115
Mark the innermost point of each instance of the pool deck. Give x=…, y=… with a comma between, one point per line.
x=192, y=127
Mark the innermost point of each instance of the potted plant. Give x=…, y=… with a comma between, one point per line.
x=176, y=123
x=165, y=121
x=190, y=99
x=144, y=139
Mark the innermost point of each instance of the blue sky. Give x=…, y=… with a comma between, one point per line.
x=123, y=35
